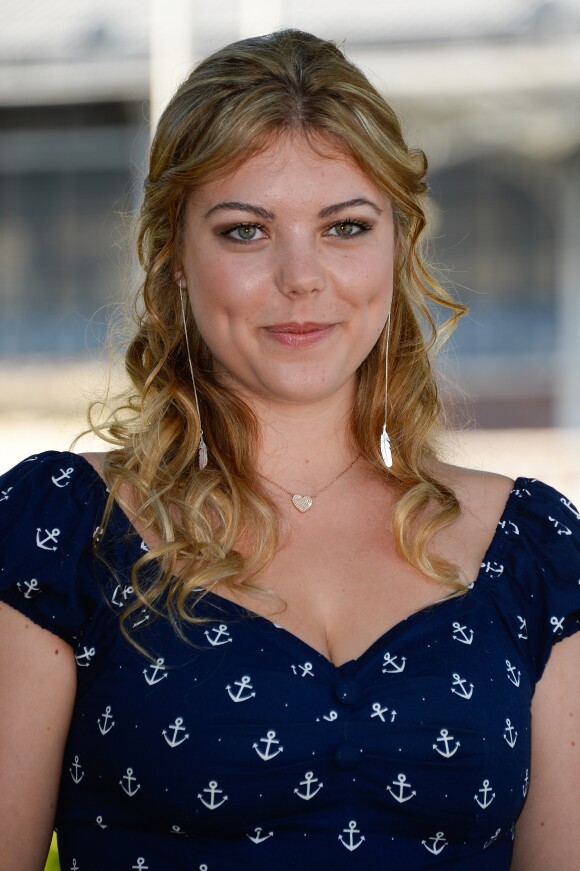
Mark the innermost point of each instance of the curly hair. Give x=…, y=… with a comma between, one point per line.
x=229, y=108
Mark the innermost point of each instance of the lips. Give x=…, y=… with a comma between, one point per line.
x=300, y=335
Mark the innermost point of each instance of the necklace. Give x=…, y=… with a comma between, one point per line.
x=304, y=503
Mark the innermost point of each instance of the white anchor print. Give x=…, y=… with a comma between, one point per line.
x=140, y=866
x=5, y=497
x=306, y=669
x=526, y=783
x=144, y=547
x=402, y=784
x=269, y=741
x=511, y=673
x=507, y=523
x=158, y=667
x=391, y=665
x=78, y=773
x=213, y=790
x=485, y=789
x=178, y=726
x=492, y=839
x=523, y=633
x=242, y=694
x=100, y=823
x=124, y=591
x=257, y=838
x=459, y=634
x=510, y=734
x=220, y=631
x=51, y=535
x=492, y=568
x=177, y=830
x=379, y=711
x=31, y=588
x=565, y=502
x=64, y=476
x=84, y=659
x=562, y=529
x=520, y=493
x=74, y=866
x=558, y=624
x=330, y=717
x=308, y=782
x=460, y=682
x=144, y=618
x=439, y=843
x=103, y=721
x=128, y=787
x=446, y=739
x=350, y=832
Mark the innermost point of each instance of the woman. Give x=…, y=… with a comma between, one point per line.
x=292, y=644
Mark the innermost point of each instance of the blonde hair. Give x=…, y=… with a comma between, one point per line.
x=231, y=105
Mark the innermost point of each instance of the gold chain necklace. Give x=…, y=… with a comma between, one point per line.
x=304, y=503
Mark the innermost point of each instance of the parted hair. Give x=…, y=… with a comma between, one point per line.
x=232, y=105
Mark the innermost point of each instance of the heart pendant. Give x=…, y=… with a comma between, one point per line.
x=302, y=503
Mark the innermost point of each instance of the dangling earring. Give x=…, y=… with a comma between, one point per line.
x=386, y=452
x=202, y=449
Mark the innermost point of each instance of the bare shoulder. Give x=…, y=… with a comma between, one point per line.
x=481, y=494
x=482, y=497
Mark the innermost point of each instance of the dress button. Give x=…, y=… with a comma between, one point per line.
x=347, y=690
x=347, y=756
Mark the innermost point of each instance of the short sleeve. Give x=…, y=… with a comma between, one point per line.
x=50, y=507
x=540, y=561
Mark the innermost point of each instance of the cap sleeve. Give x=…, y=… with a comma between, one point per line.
x=540, y=556
x=50, y=506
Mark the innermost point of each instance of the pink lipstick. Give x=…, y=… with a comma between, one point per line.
x=296, y=335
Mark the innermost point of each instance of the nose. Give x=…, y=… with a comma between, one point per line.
x=299, y=269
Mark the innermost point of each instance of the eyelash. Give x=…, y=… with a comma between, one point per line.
x=361, y=226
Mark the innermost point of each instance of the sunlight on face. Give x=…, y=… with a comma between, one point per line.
x=289, y=267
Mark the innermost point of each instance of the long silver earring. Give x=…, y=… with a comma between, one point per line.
x=386, y=452
x=202, y=449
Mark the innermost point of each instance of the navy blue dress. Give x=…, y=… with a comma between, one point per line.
x=245, y=748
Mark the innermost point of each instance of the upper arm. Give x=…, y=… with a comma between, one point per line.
x=548, y=830
x=37, y=690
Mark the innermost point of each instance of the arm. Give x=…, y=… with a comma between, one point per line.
x=548, y=830
x=37, y=690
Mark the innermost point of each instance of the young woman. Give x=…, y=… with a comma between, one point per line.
x=270, y=628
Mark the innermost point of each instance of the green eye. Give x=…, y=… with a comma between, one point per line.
x=347, y=229
x=246, y=232
x=344, y=229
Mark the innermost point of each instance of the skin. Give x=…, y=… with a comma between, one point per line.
x=299, y=265
x=294, y=254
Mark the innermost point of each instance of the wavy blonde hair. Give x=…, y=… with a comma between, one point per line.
x=231, y=105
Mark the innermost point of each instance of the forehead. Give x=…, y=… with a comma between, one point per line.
x=292, y=169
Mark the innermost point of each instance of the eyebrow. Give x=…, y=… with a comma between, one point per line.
x=266, y=215
x=234, y=205
x=348, y=204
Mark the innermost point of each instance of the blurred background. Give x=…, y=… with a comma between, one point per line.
x=490, y=89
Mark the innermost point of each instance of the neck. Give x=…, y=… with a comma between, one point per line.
x=304, y=446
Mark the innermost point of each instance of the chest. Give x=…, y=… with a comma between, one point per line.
x=338, y=582
x=251, y=727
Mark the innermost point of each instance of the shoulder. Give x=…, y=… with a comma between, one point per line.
x=481, y=495
x=51, y=505
x=55, y=470
x=482, y=498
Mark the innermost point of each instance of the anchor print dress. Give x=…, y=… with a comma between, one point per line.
x=245, y=748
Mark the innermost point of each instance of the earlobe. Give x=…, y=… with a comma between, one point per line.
x=180, y=279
